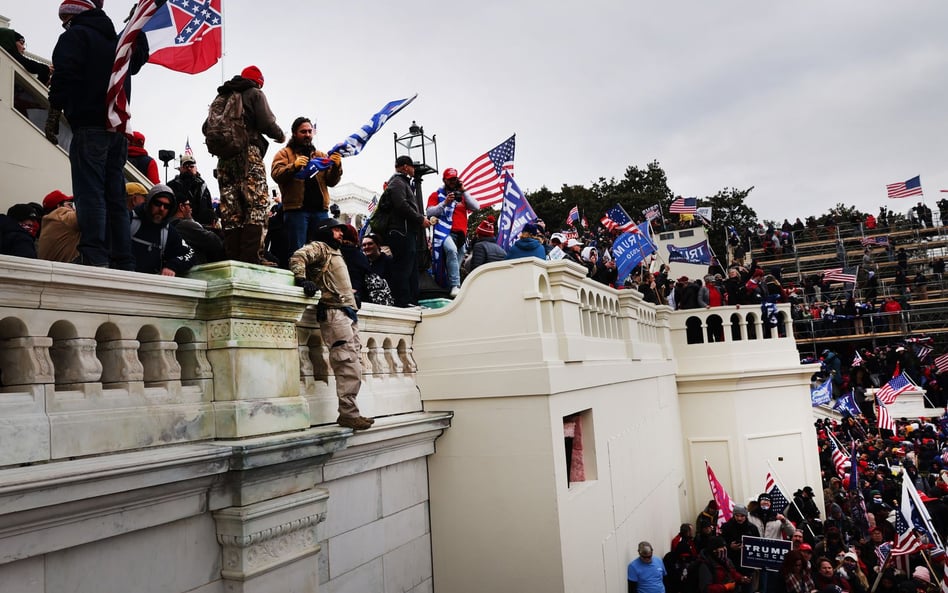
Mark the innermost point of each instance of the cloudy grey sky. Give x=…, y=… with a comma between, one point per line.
x=812, y=103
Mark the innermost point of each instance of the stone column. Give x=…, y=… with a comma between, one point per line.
x=251, y=313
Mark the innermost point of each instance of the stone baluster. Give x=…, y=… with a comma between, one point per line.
x=75, y=362
x=120, y=363
x=26, y=361
x=160, y=363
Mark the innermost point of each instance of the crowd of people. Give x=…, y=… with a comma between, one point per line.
x=860, y=541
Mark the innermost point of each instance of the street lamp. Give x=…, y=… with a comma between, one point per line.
x=423, y=151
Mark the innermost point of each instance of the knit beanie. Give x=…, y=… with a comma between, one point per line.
x=921, y=573
x=73, y=7
x=486, y=228
x=253, y=73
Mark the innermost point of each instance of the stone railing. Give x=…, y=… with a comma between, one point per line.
x=726, y=339
x=543, y=315
x=95, y=360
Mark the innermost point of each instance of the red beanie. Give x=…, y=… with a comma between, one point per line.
x=74, y=7
x=253, y=73
x=53, y=199
x=486, y=228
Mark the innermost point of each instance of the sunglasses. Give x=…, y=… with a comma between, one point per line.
x=162, y=205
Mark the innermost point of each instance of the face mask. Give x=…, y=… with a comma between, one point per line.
x=877, y=500
x=765, y=506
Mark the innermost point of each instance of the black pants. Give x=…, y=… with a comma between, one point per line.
x=404, y=275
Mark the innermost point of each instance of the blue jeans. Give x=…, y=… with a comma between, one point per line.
x=452, y=260
x=97, y=158
x=297, y=223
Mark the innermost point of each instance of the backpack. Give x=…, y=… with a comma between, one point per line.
x=225, y=132
x=381, y=220
x=690, y=577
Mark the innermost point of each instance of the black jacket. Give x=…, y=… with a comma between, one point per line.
x=150, y=254
x=14, y=239
x=405, y=214
x=82, y=66
x=195, y=190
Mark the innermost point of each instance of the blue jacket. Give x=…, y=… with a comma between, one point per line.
x=526, y=247
x=82, y=65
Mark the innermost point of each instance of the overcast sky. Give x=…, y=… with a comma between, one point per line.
x=812, y=103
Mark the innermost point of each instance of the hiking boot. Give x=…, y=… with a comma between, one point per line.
x=357, y=423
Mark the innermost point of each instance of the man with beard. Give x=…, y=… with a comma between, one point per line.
x=305, y=201
x=320, y=266
x=189, y=187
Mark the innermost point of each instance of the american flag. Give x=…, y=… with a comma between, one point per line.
x=616, y=219
x=573, y=215
x=922, y=351
x=871, y=241
x=857, y=360
x=885, y=421
x=839, y=275
x=836, y=453
x=895, y=387
x=187, y=148
x=116, y=101
x=941, y=363
x=911, y=187
x=372, y=205
x=906, y=540
x=725, y=504
x=684, y=206
x=916, y=514
x=484, y=177
x=778, y=502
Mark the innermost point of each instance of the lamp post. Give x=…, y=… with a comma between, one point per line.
x=166, y=156
x=423, y=151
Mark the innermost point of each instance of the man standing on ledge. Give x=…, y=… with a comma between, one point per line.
x=320, y=266
x=245, y=199
x=402, y=236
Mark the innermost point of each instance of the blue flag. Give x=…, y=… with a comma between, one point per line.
x=822, y=394
x=356, y=141
x=516, y=213
x=631, y=248
x=699, y=253
x=847, y=405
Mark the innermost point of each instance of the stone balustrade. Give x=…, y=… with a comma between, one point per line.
x=95, y=361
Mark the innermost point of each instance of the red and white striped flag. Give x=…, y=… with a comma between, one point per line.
x=725, y=504
x=885, y=421
x=839, y=459
x=116, y=100
x=484, y=177
x=941, y=363
x=838, y=275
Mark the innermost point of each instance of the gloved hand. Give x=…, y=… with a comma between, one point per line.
x=301, y=161
x=309, y=287
x=336, y=159
x=52, y=125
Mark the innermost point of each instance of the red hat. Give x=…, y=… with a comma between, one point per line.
x=53, y=199
x=486, y=228
x=137, y=139
x=253, y=73
x=806, y=548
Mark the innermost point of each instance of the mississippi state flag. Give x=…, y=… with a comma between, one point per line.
x=185, y=35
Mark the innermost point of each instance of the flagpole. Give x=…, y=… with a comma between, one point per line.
x=792, y=500
x=223, y=42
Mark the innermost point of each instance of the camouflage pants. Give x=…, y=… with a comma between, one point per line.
x=245, y=198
